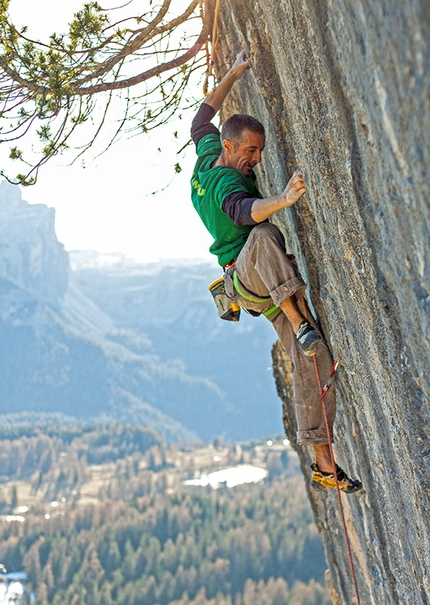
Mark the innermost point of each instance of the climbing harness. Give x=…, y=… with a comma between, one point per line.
x=227, y=309
x=244, y=293
x=210, y=54
x=323, y=392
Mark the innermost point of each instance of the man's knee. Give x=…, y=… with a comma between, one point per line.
x=267, y=230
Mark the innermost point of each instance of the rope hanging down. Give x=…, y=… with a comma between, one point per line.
x=323, y=392
x=210, y=54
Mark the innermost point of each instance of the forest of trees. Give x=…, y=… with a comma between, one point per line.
x=254, y=544
x=55, y=459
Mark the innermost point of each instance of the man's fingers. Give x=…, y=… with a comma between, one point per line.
x=297, y=179
x=296, y=187
x=241, y=56
x=298, y=183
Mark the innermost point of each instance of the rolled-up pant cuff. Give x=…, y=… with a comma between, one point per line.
x=295, y=285
x=318, y=437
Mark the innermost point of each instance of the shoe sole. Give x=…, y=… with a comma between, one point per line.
x=310, y=354
x=317, y=487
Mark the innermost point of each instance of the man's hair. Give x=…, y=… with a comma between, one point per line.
x=233, y=128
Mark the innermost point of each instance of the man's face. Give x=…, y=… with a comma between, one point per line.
x=247, y=154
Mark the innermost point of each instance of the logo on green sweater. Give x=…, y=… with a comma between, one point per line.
x=199, y=189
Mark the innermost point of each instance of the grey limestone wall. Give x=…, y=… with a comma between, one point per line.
x=343, y=89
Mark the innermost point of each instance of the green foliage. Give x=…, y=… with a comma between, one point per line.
x=15, y=154
x=86, y=28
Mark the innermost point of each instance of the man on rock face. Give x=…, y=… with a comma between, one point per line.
x=259, y=275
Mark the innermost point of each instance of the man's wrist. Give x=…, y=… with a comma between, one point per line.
x=232, y=75
x=283, y=199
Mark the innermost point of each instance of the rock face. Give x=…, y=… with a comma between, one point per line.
x=343, y=89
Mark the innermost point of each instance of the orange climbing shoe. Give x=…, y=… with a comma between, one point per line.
x=324, y=481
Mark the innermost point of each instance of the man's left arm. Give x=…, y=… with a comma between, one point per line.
x=244, y=210
x=238, y=207
x=262, y=209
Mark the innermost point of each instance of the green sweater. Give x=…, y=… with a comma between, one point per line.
x=209, y=187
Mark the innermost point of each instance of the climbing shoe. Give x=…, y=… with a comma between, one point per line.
x=308, y=339
x=324, y=481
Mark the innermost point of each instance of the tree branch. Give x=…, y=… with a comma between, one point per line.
x=49, y=90
x=130, y=47
x=146, y=75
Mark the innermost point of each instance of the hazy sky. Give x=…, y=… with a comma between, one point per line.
x=108, y=206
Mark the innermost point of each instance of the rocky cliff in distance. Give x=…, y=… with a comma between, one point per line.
x=343, y=89
x=31, y=258
x=105, y=339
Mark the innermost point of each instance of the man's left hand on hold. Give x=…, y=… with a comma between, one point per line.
x=296, y=188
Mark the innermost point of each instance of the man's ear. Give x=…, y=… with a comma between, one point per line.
x=227, y=146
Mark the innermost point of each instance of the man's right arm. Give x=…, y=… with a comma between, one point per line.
x=216, y=99
x=201, y=125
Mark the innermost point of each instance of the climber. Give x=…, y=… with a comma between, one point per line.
x=258, y=272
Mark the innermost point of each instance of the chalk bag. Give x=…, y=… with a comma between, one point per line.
x=226, y=308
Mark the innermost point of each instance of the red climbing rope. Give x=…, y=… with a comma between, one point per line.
x=323, y=392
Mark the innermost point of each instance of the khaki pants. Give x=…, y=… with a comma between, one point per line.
x=264, y=268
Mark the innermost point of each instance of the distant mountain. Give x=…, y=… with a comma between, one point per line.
x=169, y=305
x=93, y=337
